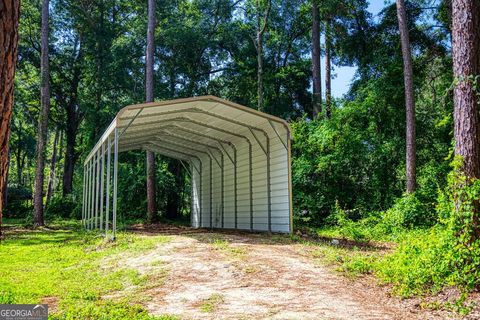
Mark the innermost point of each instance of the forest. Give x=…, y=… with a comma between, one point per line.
x=394, y=162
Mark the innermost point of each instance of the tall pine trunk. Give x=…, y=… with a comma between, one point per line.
x=316, y=71
x=9, y=15
x=38, y=218
x=151, y=192
x=174, y=197
x=409, y=97
x=70, y=157
x=328, y=68
x=466, y=69
x=53, y=164
x=261, y=27
x=73, y=122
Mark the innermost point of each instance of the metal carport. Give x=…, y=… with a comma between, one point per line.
x=238, y=159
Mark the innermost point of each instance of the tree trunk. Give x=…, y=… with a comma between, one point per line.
x=38, y=218
x=261, y=27
x=409, y=98
x=18, y=159
x=73, y=122
x=466, y=69
x=70, y=157
x=174, y=198
x=9, y=15
x=53, y=163
x=151, y=192
x=316, y=73
x=328, y=69
x=5, y=194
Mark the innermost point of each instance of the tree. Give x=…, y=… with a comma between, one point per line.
x=316, y=73
x=262, y=23
x=151, y=197
x=9, y=15
x=53, y=164
x=409, y=97
x=466, y=69
x=38, y=218
x=328, y=68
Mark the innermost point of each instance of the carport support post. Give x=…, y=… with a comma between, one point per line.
x=211, y=194
x=97, y=189
x=107, y=209
x=269, y=187
x=87, y=205
x=235, y=184
x=102, y=174
x=92, y=196
x=115, y=183
x=83, y=196
x=92, y=176
x=192, y=205
x=223, y=189
x=200, y=196
x=250, y=173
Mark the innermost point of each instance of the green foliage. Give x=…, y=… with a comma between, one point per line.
x=459, y=208
x=446, y=254
x=350, y=229
x=420, y=263
x=62, y=207
x=408, y=211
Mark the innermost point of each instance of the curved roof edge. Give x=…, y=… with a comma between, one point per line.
x=205, y=98
x=208, y=98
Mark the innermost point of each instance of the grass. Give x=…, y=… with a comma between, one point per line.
x=211, y=303
x=225, y=247
x=74, y=269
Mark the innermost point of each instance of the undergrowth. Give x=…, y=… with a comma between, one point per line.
x=418, y=261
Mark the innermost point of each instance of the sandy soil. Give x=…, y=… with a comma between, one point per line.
x=248, y=276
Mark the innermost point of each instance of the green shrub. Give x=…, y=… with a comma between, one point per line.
x=408, y=211
x=350, y=229
x=459, y=209
x=447, y=254
x=420, y=263
x=62, y=207
x=19, y=202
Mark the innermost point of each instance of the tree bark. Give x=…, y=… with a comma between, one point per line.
x=466, y=69
x=316, y=70
x=9, y=15
x=38, y=219
x=74, y=117
x=328, y=69
x=261, y=27
x=151, y=187
x=53, y=163
x=409, y=97
x=172, y=210
x=70, y=157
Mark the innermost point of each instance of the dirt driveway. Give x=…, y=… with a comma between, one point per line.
x=249, y=276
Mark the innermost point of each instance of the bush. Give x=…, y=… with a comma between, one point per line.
x=408, y=211
x=62, y=207
x=350, y=229
x=19, y=202
x=447, y=254
x=421, y=262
